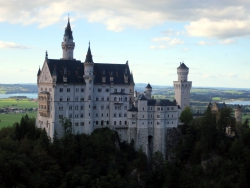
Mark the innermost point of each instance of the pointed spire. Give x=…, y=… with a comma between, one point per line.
x=39, y=71
x=89, y=56
x=131, y=78
x=149, y=86
x=68, y=31
x=46, y=55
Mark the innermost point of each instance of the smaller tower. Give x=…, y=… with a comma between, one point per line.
x=68, y=45
x=182, y=87
x=89, y=80
x=238, y=114
x=148, y=91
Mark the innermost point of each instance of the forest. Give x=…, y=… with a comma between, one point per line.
x=204, y=157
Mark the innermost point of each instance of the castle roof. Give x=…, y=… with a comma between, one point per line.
x=149, y=86
x=75, y=71
x=133, y=109
x=39, y=71
x=106, y=70
x=68, y=31
x=142, y=97
x=161, y=102
x=89, y=58
x=182, y=66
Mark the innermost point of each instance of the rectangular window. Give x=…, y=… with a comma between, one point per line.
x=99, y=90
x=76, y=124
x=60, y=116
x=82, y=90
x=82, y=123
x=107, y=90
x=81, y=115
x=82, y=99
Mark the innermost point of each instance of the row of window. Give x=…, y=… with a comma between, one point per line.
x=45, y=89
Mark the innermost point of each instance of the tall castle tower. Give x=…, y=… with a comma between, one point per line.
x=68, y=45
x=89, y=80
x=182, y=87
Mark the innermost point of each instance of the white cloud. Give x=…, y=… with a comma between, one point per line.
x=5, y=45
x=161, y=39
x=176, y=41
x=158, y=47
x=222, y=29
x=203, y=43
x=227, y=41
x=223, y=19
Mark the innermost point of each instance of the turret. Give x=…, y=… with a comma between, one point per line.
x=182, y=87
x=148, y=91
x=182, y=72
x=68, y=45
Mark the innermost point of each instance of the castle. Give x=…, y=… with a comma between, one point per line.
x=96, y=95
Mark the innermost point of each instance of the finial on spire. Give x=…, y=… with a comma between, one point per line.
x=89, y=43
x=46, y=54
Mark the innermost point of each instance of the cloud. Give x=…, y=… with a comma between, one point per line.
x=161, y=39
x=158, y=47
x=227, y=41
x=5, y=45
x=165, y=42
x=221, y=29
x=203, y=43
x=222, y=19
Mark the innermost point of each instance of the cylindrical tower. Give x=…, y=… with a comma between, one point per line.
x=149, y=90
x=68, y=45
x=182, y=72
x=182, y=86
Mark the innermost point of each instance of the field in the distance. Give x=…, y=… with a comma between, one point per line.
x=9, y=119
x=21, y=103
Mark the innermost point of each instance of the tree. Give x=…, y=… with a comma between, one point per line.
x=186, y=115
x=67, y=125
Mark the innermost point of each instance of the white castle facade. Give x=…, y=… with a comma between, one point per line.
x=96, y=95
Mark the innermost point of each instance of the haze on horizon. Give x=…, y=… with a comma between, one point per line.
x=212, y=38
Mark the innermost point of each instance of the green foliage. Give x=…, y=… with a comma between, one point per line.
x=28, y=158
x=186, y=115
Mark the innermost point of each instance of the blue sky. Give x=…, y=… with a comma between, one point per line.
x=212, y=38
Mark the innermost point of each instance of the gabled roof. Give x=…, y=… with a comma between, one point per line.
x=182, y=66
x=74, y=70
x=68, y=31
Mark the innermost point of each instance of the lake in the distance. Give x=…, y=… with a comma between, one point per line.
x=239, y=102
x=28, y=95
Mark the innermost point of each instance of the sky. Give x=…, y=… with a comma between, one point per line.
x=211, y=37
